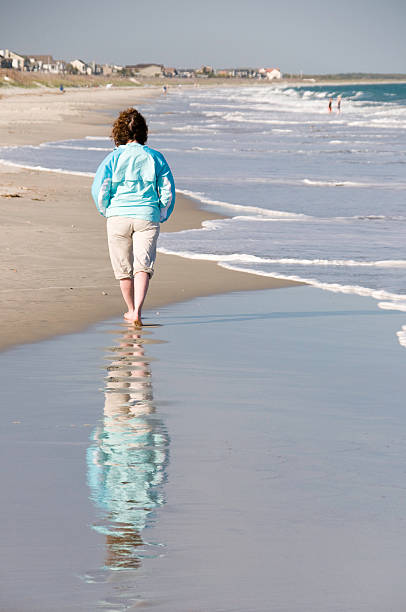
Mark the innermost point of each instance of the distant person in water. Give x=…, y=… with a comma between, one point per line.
x=134, y=189
x=164, y=90
x=339, y=104
x=330, y=105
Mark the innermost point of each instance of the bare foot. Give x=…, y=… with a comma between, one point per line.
x=132, y=317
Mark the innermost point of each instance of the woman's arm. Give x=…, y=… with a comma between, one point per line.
x=166, y=189
x=101, y=188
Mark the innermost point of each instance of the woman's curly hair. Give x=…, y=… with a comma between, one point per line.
x=129, y=125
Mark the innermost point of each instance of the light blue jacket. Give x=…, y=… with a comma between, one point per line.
x=134, y=181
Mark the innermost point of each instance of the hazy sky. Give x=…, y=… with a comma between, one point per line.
x=310, y=35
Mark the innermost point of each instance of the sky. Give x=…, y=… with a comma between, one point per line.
x=313, y=36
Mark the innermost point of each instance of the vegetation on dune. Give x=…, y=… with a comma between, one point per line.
x=38, y=80
x=35, y=80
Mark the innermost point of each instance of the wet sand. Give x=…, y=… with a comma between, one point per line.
x=57, y=276
x=246, y=455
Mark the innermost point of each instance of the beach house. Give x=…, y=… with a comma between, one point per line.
x=270, y=73
x=204, y=71
x=224, y=73
x=170, y=72
x=81, y=66
x=44, y=63
x=9, y=59
x=185, y=73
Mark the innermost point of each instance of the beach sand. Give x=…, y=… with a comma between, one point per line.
x=57, y=276
x=35, y=116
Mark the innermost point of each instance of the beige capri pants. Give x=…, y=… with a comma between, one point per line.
x=132, y=245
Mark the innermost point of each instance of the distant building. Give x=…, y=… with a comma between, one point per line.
x=244, y=73
x=146, y=70
x=44, y=63
x=81, y=66
x=270, y=73
x=5, y=62
x=35, y=62
x=204, y=70
x=106, y=69
x=109, y=69
x=223, y=73
x=170, y=72
x=95, y=68
x=12, y=59
x=273, y=73
x=186, y=73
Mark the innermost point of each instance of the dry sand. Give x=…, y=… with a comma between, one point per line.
x=35, y=116
x=56, y=271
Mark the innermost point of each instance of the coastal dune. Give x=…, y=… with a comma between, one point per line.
x=57, y=276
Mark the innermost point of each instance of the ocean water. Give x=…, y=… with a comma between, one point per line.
x=308, y=195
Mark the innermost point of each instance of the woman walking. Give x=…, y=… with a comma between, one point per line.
x=134, y=189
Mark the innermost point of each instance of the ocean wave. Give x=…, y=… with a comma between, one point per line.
x=246, y=258
x=393, y=306
x=402, y=336
x=387, y=300
x=385, y=263
x=374, y=218
x=301, y=97
x=50, y=145
x=256, y=213
x=259, y=212
x=358, y=184
x=205, y=256
x=295, y=181
x=388, y=263
x=201, y=149
x=195, y=129
x=314, y=183
x=6, y=147
x=382, y=123
x=392, y=301
x=242, y=118
x=44, y=169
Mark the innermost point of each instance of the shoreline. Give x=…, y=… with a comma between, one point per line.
x=63, y=282
x=158, y=82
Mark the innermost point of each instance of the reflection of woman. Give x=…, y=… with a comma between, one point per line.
x=129, y=455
